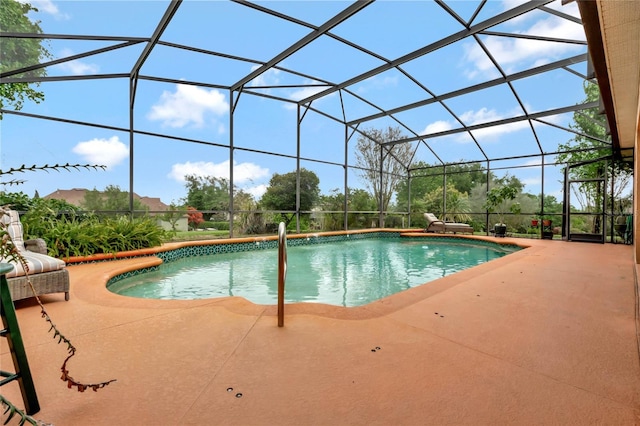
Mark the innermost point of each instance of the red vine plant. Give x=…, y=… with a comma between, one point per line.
x=9, y=251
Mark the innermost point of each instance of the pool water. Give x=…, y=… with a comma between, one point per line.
x=349, y=273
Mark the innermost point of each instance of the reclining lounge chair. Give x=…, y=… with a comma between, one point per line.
x=436, y=225
x=47, y=274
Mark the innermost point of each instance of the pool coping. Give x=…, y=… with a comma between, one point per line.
x=123, y=263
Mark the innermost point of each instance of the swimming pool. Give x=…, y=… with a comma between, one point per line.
x=348, y=273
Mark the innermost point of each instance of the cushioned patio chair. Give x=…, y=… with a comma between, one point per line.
x=436, y=225
x=47, y=274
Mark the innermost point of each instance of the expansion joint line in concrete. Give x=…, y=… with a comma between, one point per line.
x=222, y=366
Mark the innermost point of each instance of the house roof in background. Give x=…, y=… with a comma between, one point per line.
x=76, y=196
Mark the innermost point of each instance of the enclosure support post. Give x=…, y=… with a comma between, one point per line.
x=542, y=194
x=298, y=171
x=133, y=82
x=282, y=270
x=231, y=206
x=345, y=205
x=380, y=195
x=486, y=218
x=444, y=192
x=409, y=197
x=612, y=218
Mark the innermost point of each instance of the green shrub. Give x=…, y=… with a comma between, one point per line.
x=87, y=234
x=23, y=203
x=220, y=226
x=249, y=223
x=393, y=221
x=15, y=200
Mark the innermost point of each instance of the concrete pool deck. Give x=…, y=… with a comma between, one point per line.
x=546, y=335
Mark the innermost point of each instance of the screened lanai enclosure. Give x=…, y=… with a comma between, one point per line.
x=328, y=115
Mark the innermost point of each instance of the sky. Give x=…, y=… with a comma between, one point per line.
x=263, y=131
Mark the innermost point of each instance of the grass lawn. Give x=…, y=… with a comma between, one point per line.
x=199, y=235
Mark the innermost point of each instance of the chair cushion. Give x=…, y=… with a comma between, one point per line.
x=11, y=219
x=37, y=263
x=459, y=227
x=431, y=218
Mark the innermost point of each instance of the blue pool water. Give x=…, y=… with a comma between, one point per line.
x=349, y=273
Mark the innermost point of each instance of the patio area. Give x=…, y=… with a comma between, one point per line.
x=546, y=335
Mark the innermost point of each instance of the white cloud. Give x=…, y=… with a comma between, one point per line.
x=557, y=118
x=46, y=6
x=378, y=82
x=267, y=78
x=493, y=133
x=242, y=173
x=436, y=127
x=531, y=181
x=488, y=134
x=188, y=105
x=108, y=152
x=512, y=52
x=76, y=67
x=483, y=115
x=305, y=92
x=257, y=191
x=533, y=162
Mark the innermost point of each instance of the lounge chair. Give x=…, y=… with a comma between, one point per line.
x=436, y=225
x=47, y=274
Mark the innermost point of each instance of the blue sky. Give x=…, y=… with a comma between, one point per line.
x=261, y=125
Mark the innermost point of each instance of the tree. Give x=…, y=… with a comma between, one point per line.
x=551, y=204
x=173, y=215
x=427, y=178
x=457, y=208
x=395, y=159
x=247, y=219
x=112, y=199
x=20, y=52
x=208, y=193
x=194, y=218
x=500, y=199
x=591, y=143
x=281, y=193
x=505, y=196
x=358, y=200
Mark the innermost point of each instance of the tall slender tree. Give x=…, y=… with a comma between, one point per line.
x=372, y=158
